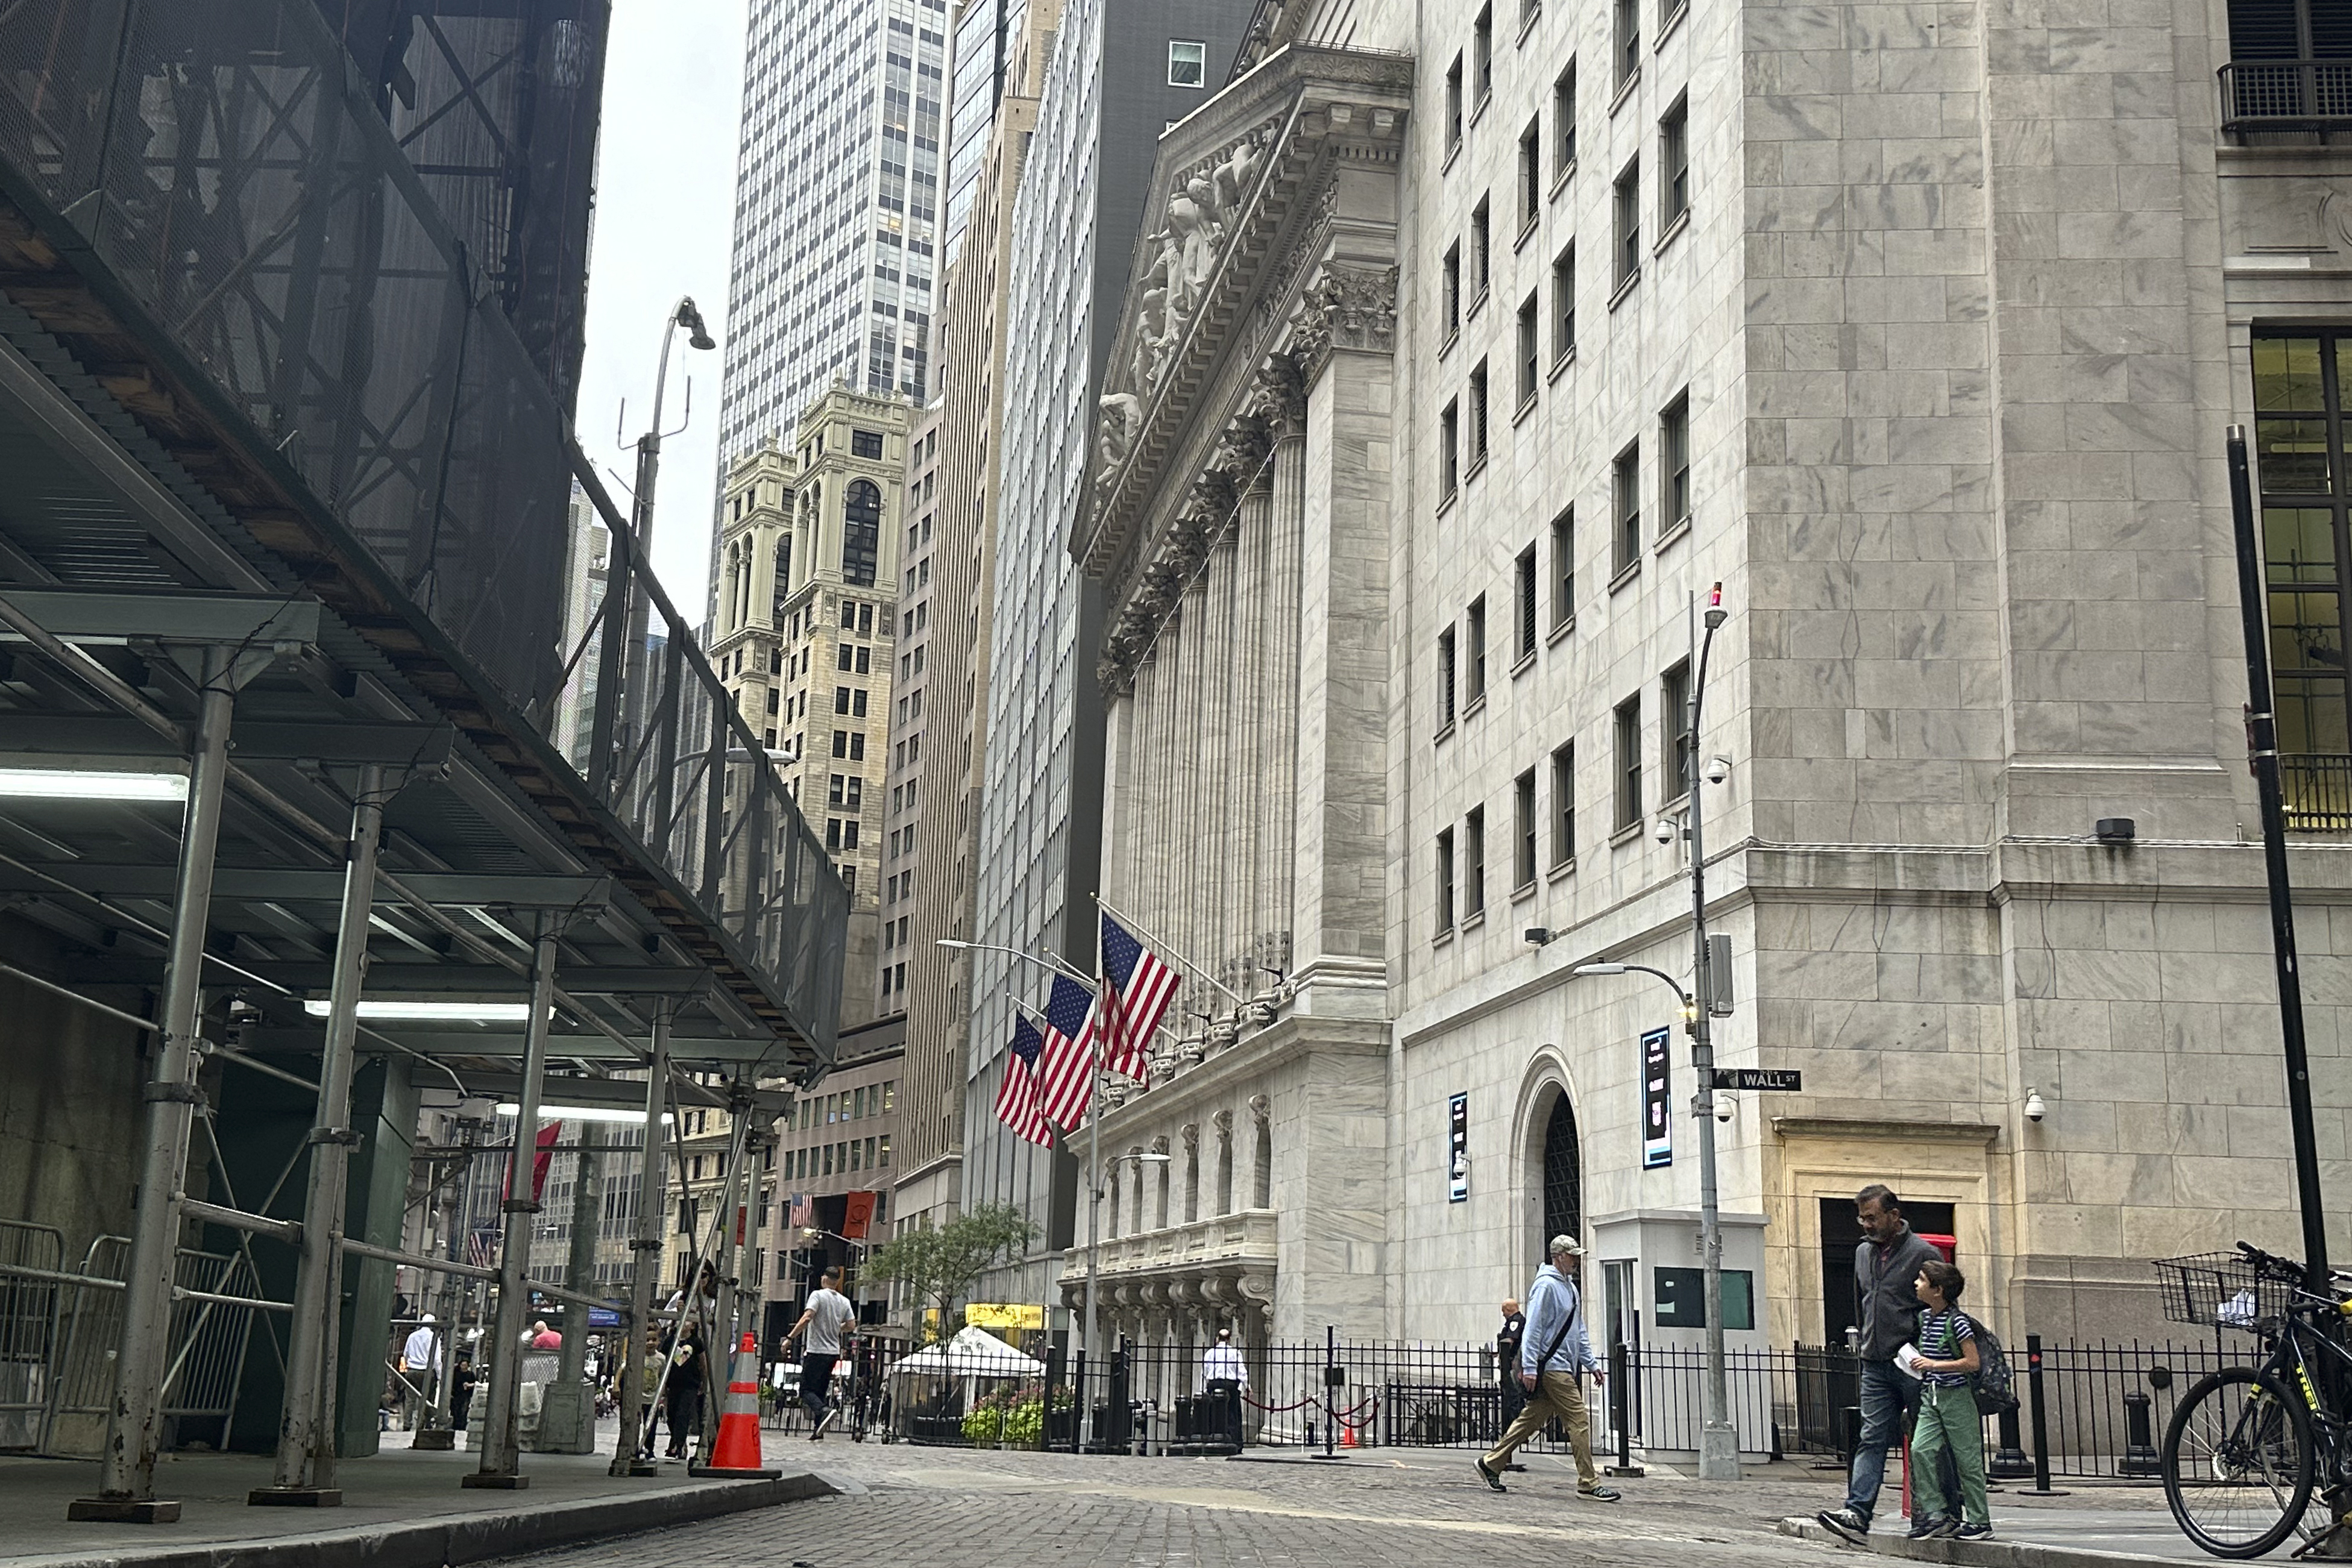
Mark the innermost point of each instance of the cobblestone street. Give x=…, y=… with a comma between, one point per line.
x=907, y=1506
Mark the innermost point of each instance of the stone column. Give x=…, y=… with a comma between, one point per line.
x=1278, y=682
x=1247, y=793
x=1119, y=680
x=1338, y=908
x=1217, y=840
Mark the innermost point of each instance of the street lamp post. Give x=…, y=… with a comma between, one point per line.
x=1718, y=1450
x=641, y=516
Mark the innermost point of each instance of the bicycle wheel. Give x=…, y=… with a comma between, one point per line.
x=2237, y=1463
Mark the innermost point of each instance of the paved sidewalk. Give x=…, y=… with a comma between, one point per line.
x=401, y=1510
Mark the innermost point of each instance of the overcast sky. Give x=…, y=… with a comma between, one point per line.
x=665, y=219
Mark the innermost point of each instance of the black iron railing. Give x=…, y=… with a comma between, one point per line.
x=2318, y=791
x=2286, y=95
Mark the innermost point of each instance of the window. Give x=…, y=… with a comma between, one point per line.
x=1674, y=164
x=1474, y=863
x=1524, y=598
x=841, y=699
x=1478, y=417
x=1446, y=679
x=1674, y=463
x=1449, y=451
x=1629, y=762
x=1446, y=881
x=1482, y=52
x=1682, y=1298
x=858, y=704
x=1454, y=105
x=1563, y=805
x=1676, y=747
x=1474, y=673
x=1669, y=13
x=1563, y=304
x=1482, y=253
x=861, y=536
x=2301, y=383
x=1531, y=350
x=1626, y=482
x=1563, y=122
x=1629, y=41
x=1563, y=568
x=841, y=656
x=1628, y=224
x=1530, y=174
x=1522, y=830
x=866, y=443
x=1450, y=290
x=1188, y=63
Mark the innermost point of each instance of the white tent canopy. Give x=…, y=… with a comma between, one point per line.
x=974, y=1353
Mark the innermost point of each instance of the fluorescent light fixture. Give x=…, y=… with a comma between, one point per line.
x=1599, y=969
x=90, y=784
x=428, y=1012
x=584, y=1114
x=950, y=942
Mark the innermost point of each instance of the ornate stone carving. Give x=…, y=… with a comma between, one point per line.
x=1190, y=1133
x=1224, y=1121
x=1345, y=307
x=1261, y=1109
x=1279, y=398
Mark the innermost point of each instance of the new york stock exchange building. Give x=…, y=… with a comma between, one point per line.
x=1457, y=366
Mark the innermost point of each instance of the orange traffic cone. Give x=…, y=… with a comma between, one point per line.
x=737, y=1452
x=1347, y=1432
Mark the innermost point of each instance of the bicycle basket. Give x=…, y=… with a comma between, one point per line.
x=2223, y=1289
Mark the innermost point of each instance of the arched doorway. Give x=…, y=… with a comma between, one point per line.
x=1563, y=1172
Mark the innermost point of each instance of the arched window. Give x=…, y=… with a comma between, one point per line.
x=861, y=533
x=734, y=573
x=783, y=578
x=1262, y=1174
x=1225, y=1170
x=1564, y=1173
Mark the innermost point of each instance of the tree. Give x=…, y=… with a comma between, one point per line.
x=938, y=1264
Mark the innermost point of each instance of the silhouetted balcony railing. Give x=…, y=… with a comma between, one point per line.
x=222, y=162
x=2286, y=95
x=2318, y=791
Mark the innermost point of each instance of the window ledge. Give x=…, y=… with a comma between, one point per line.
x=1527, y=231
x=1527, y=406
x=1561, y=364
x=1474, y=919
x=1562, y=629
x=1524, y=892
x=1525, y=662
x=1624, y=835
x=1565, y=868
x=1442, y=937
x=1681, y=529
x=1477, y=466
x=1446, y=502
x=1673, y=232
x=1475, y=705
x=1625, y=90
x=1444, y=732
x=1479, y=303
x=1625, y=574
x=1666, y=27
x=1478, y=109
x=1528, y=22
x=1452, y=338
x=1452, y=153
x=1624, y=286
x=1560, y=180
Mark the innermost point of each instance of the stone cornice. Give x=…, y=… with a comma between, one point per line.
x=1247, y=185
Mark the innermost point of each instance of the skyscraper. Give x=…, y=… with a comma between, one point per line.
x=836, y=209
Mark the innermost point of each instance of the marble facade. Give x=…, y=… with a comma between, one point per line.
x=1923, y=350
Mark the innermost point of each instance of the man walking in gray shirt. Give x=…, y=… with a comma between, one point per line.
x=829, y=1312
x=1885, y=1265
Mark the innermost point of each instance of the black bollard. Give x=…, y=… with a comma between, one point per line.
x=1620, y=1409
x=2009, y=1461
x=2033, y=1389
x=2139, y=1441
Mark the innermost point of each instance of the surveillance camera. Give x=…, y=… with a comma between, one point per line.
x=1718, y=770
x=1723, y=1107
x=2035, y=1108
x=1664, y=832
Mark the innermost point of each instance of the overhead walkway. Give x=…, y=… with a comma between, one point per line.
x=283, y=532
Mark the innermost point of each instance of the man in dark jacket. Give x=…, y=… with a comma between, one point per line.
x=1885, y=1265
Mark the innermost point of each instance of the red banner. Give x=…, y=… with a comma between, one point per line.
x=857, y=1216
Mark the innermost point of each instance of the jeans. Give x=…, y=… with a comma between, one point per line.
x=1888, y=1394
x=817, y=1383
x=1557, y=1394
x=1949, y=1427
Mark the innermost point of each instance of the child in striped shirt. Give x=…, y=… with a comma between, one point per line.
x=1948, y=1419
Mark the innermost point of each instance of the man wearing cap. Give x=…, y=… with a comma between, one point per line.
x=1553, y=1353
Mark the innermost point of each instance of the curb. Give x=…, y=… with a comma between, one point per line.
x=452, y=1540
x=1979, y=1553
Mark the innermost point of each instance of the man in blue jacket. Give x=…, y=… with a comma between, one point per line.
x=1554, y=1352
x=1886, y=1306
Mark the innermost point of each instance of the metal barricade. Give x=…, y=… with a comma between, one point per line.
x=32, y=1263
x=90, y=1331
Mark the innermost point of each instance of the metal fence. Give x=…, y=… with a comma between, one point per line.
x=60, y=1328
x=2287, y=95
x=2103, y=1405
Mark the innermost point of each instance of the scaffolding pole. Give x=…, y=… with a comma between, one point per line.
x=645, y=1258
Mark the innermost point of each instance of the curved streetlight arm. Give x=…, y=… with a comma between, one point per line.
x=1593, y=970
x=1048, y=963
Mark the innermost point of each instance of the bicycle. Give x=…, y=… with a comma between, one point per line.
x=2247, y=1446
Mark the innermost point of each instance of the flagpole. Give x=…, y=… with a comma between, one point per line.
x=1136, y=926
x=1107, y=998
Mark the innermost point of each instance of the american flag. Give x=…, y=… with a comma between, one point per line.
x=803, y=1212
x=1066, y=1069
x=1016, y=1097
x=1137, y=988
x=482, y=1248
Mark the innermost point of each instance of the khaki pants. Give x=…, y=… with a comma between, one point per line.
x=1555, y=1394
